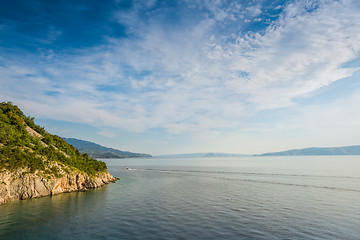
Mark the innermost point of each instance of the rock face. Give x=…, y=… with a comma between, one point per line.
x=21, y=184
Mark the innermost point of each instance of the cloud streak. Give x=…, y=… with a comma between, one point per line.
x=203, y=73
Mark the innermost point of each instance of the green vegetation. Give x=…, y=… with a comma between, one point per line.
x=18, y=148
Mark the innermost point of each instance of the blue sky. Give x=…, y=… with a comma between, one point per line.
x=166, y=77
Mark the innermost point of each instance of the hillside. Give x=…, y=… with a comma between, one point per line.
x=348, y=150
x=34, y=163
x=97, y=151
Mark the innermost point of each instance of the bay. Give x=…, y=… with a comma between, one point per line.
x=298, y=197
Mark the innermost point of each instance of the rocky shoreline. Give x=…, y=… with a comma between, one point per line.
x=20, y=184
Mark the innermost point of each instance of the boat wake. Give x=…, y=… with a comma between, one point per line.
x=237, y=176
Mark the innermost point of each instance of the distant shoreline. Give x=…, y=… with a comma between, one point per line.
x=312, y=151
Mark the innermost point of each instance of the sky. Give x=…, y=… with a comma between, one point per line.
x=166, y=77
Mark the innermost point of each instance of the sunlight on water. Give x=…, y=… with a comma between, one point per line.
x=202, y=198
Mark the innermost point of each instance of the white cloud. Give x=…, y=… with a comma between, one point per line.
x=107, y=134
x=254, y=10
x=300, y=53
x=195, y=77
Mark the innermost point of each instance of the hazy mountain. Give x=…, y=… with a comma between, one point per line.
x=190, y=155
x=348, y=150
x=97, y=151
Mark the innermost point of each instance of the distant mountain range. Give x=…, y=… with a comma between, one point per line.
x=348, y=150
x=97, y=151
x=194, y=155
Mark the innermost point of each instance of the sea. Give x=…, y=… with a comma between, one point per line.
x=277, y=197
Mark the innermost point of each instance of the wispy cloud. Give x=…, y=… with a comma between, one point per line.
x=199, y=74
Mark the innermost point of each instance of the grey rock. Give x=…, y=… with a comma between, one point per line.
x=20, y=184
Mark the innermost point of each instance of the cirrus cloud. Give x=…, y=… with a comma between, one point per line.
x=213, y=71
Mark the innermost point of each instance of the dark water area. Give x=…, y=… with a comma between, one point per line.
x=202, y=198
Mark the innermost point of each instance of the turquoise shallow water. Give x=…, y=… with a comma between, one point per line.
x=210, y=198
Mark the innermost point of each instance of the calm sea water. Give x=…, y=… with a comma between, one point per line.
x=202, y=198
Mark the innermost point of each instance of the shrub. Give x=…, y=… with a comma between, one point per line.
x=22, y=150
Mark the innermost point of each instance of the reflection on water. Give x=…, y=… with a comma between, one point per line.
x=20, y=219
x=231, y=198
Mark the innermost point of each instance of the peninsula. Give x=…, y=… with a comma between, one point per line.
x=95, y=150
x=317, y=151
x=35, y=163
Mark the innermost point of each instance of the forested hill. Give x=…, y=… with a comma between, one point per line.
x=23, y=144
x=97, y=151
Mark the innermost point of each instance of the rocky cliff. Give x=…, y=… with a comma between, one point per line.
x=20, y=184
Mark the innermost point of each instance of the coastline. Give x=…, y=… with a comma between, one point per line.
x=20, y=184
